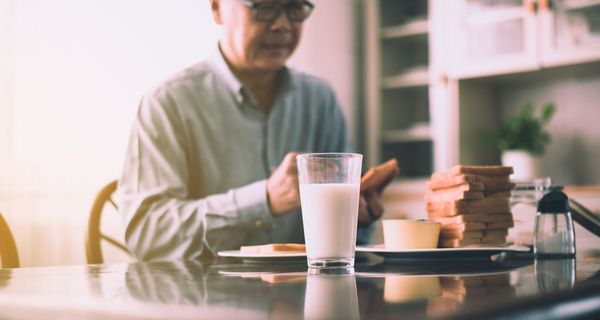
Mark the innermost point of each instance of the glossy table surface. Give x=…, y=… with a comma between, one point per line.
x=233, y=289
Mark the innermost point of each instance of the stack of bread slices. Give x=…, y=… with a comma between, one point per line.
x=473, y=205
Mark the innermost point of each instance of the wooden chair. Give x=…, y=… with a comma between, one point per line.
x=94, y=236
x=8, y=248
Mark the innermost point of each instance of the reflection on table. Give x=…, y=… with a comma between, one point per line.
x=233, y=289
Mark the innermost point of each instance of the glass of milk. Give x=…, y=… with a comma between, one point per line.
x=329, y=195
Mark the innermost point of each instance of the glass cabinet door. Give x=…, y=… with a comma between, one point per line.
x=571, y=31
x=398, y=81
x=494, y=37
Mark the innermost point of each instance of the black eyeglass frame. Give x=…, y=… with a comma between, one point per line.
x=281, y=9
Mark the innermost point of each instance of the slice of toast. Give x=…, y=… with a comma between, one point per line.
x=436, y=211
x=479, y=170
x=452, y=195
x=457, y=227
x=477, y=234
x=495, y=233
x=494, y=240
x=441, y=180
x=455, y=243
x=490, y=183
x=468, y=204
x=497, y=217
x=273, y=248
x=499, y=225
x=473, y=218
x=375, y=176
x=446, y=211
x=497, y=194
x=465, y=186
x=459, y=219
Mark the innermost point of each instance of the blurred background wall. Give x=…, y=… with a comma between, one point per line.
x=71, y=75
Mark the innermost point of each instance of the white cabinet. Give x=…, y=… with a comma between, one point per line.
x=505, y=36
x=437, y=72
x=501, y=54
x=397, y=85
x=492, y=37
x=571, y=32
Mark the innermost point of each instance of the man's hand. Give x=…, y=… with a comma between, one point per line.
x=369, y=207
x=283, y=193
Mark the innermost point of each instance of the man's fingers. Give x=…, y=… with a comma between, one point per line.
x=369, y=208
x=288, y=164
x=375, y=208
x=282, y=186
x=364, y=218
x=295, y=185
x=290, y=157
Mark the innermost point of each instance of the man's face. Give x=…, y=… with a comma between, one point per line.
x=251, y=45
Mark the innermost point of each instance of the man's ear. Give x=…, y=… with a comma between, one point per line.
x=215, y=7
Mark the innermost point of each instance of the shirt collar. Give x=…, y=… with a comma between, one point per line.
x=217, y=61
x=288, y=80
x=220, y=66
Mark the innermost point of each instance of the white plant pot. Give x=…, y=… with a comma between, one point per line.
x=525, y=165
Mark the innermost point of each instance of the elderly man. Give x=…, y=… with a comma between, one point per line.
x=211, y=159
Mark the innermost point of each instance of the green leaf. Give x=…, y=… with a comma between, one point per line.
x=548, y=112
x=522, y=131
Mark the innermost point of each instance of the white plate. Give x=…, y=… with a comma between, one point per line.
x=263, y=257
x=440, y=253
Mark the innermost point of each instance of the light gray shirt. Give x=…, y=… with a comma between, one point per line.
x=200, y=151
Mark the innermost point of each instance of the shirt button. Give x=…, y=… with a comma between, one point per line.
x=258, y=223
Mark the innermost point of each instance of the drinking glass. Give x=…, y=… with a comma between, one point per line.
x=329, y=195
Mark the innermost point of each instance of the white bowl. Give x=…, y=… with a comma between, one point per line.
x=410, y=234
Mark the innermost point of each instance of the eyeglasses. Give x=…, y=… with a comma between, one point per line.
x=269, y=11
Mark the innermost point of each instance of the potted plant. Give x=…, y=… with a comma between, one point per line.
x=521, y=138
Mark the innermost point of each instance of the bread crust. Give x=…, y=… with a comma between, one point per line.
x=273, y=247
x=375, y=176
x=490, y=183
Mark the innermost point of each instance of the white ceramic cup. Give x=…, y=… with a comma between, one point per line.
x=401, y=234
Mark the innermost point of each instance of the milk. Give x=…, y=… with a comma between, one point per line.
x=330, y=215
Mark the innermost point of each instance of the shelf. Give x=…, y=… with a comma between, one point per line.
x=398, y=12
x=412, y=28
x=478, y=6
x=495, y=16
x=414, y=134
x=398, y=32
x=580, y=4
x=415, y=158
x=413, y=77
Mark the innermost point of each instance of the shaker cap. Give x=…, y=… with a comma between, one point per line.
x=554, y=202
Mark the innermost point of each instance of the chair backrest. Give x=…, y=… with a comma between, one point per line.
x=94, y=236
x=8, y=248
